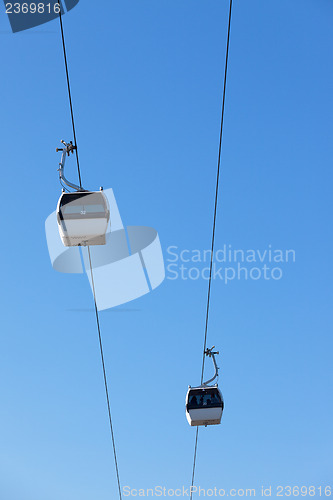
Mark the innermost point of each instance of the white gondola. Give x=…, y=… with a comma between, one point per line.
x=204, y=404
x=83, y=216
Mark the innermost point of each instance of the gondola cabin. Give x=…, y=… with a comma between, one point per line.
x=204, y=405
x=83, y=218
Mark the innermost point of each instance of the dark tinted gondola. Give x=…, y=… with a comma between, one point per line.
x=204, y=405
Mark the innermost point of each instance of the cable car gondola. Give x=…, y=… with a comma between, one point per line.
x=204, y=404
x=82, y=216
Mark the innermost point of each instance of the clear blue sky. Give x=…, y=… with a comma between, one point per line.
x=146, y=80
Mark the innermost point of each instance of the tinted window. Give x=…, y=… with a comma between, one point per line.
x=204, y=398
x=73, y=208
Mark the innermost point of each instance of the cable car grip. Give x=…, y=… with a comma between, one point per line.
x=67, y=150
x=211, y=354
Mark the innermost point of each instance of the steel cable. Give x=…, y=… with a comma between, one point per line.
x=92, y=277
x=69, y=93
x=213, y=230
